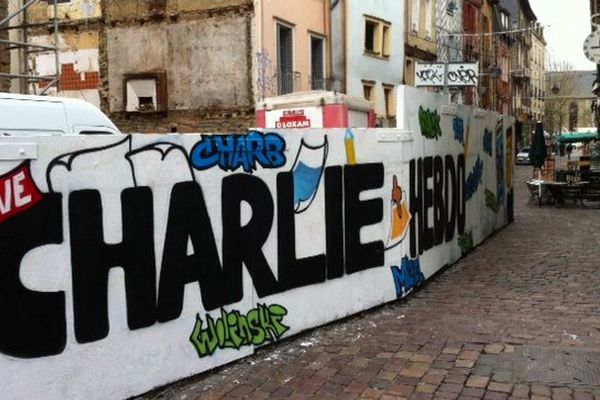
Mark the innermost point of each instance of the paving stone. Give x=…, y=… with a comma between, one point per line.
x=494, y=348
x=495, y=396
x=468, y=355
x=477, y=381
x=473, y=392
x=540, y=390
x=426, y=388
x=464, y=363
x=415, y=369
x=451, y=350
x=520, y=391
x=500, y=387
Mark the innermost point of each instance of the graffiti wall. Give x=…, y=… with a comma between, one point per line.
x=131, y=262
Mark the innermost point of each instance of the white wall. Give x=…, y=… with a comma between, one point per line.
x=148, y=192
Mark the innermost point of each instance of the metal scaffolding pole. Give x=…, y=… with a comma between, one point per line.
x=25, y=48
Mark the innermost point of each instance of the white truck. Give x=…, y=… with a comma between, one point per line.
x=26, y=115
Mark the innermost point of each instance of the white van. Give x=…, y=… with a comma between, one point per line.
x=23, y=115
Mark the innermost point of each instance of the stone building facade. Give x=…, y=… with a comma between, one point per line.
x=152, y=66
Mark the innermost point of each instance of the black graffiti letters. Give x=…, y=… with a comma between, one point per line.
x=362, y=213
x=462, y=76
x=437, y=202
x=92, y=259
x=430, y=75
x=34, y=323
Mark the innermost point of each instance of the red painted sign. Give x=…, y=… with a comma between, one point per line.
x=18, y=192
x=293, y=119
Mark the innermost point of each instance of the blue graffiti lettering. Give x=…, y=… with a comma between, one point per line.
x=474, y=180
x=407, y=277
x=458, y=124
x=500, y=182
x=487, y=141
x=231, y=152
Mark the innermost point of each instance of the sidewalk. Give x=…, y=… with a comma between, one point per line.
x=518, y=318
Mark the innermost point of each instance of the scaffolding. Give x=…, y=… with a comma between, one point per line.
x=18, y=21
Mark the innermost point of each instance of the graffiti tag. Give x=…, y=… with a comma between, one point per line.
x=491, y=201
x=438, y=210
x=474, y=180
x=18, y=192
x=487, y=141
x=458, y=125
x=465, y=242
x=429, y=122
x=461, y=75
x=407, y=277
x=233, y=330
x=231, y=152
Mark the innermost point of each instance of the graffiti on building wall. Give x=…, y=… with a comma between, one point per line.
x=429, y=121
x=500, y=181
x=487, y=142
x=474, y=180
x=234, y=151
x=233, y=330
x=187, y=251
x=465, y=241
x=458, y=125
x=407, y=277
x=400, y=215
x=491, y=201
x=446, y=198
x=308, y=168
x=219, y=278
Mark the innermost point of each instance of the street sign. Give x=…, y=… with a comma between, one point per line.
x=591, y=47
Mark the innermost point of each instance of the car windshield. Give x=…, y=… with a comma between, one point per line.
x=525, y=150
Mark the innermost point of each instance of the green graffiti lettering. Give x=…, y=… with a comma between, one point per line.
x=466, y=243
x=232, y=330
x=491, y=201
x=205, y=340
x=429, y=121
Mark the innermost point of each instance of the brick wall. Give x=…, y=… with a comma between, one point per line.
x=4, y=55
x=218, y=121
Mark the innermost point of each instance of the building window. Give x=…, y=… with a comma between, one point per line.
x=369, y=90
x=389, y=94
x=414, y=18
x=285, y=59
x=317, y=63
x=146, y=92
x=429, y=19
x=378, y=37
x=371, y=36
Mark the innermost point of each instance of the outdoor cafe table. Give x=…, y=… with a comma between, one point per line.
x=547, y=191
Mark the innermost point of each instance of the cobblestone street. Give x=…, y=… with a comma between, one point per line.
x=518, y=318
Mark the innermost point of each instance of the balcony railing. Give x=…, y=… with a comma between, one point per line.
x=288, y=82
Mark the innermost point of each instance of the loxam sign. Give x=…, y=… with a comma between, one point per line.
x=307, y=117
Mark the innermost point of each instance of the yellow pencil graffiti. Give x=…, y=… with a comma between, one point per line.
x=349, y=143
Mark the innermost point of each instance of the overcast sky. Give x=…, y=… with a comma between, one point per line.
x=569, y=26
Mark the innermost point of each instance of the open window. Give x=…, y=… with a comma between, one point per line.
x=378, y=37
x=145, y=92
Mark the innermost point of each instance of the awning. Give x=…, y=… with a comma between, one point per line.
x=577, y=137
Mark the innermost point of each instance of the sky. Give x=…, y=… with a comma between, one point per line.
x=569, y=25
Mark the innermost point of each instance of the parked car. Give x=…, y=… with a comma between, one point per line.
x=523, y=156
x=24, y=115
